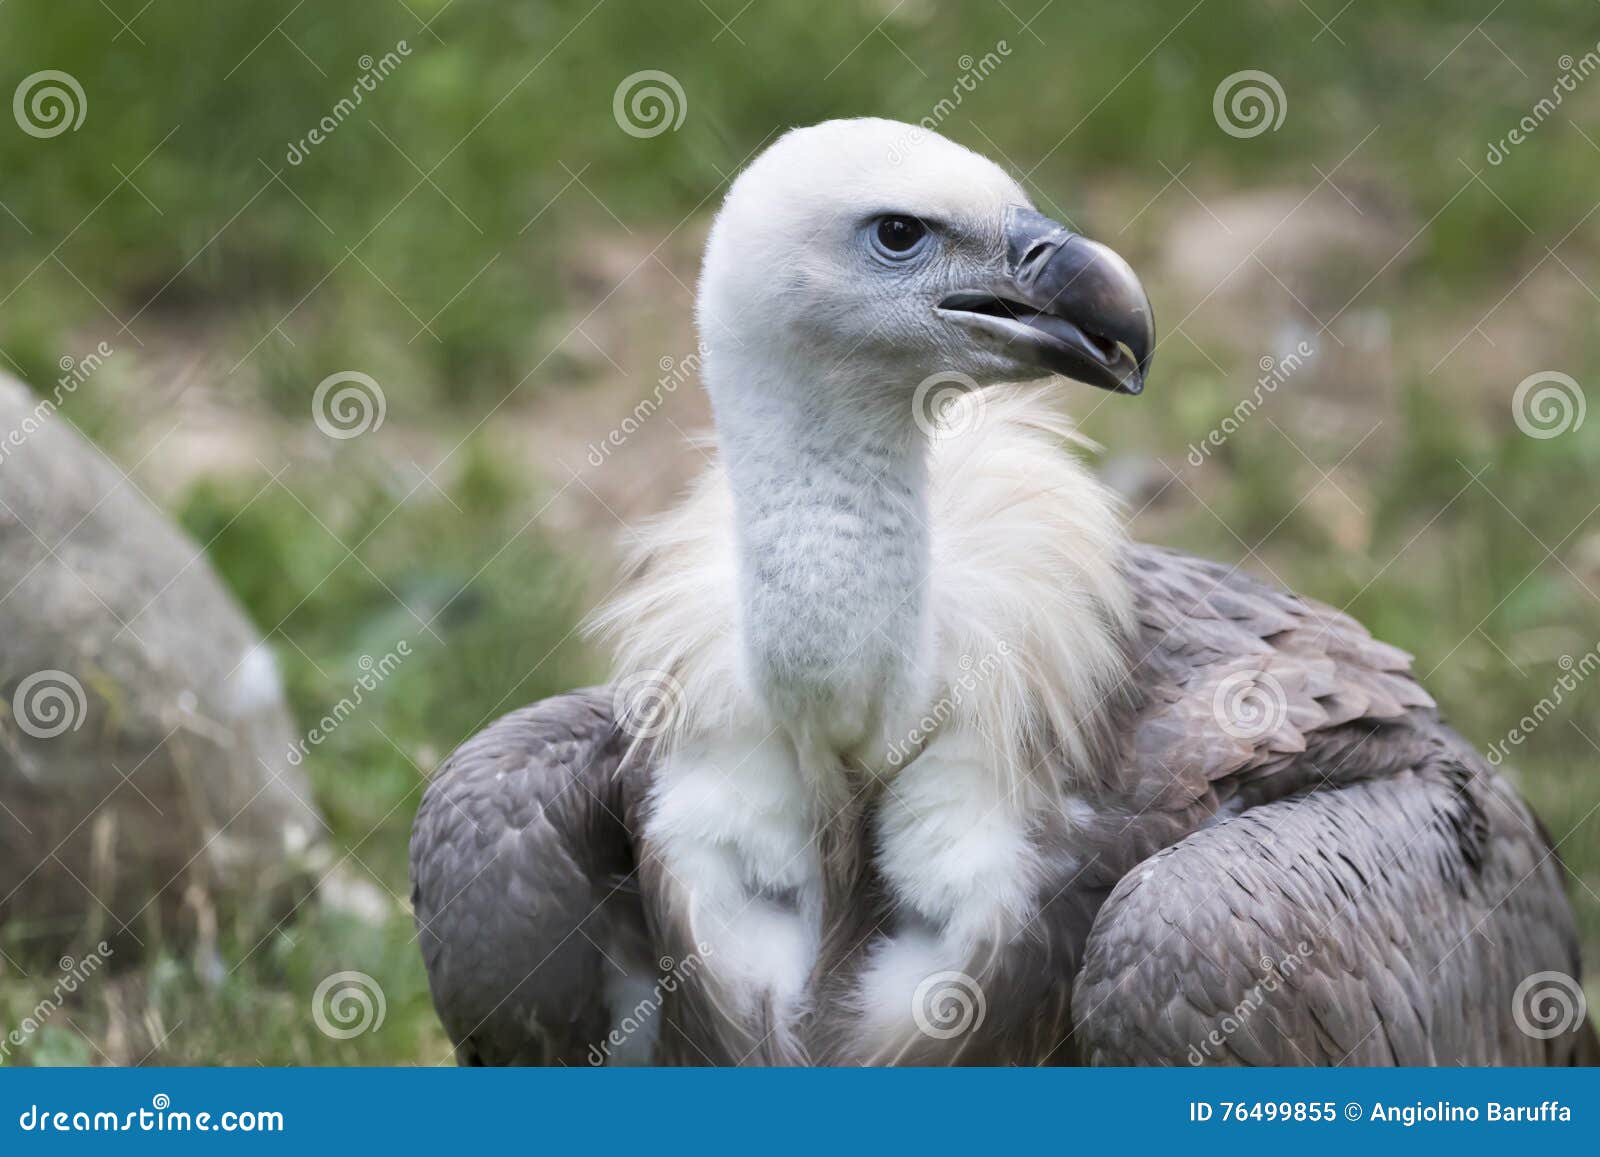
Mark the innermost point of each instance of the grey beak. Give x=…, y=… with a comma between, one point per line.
x=1067, y=304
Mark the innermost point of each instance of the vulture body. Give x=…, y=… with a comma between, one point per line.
x=911, y=757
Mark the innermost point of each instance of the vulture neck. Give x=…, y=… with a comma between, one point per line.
x=830, y=482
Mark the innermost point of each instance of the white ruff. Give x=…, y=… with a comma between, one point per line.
x=1028, y=607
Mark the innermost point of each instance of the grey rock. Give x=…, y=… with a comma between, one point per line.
x=145, y=787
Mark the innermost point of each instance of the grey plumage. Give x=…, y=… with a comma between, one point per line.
x=521, y=868
x=1341, y=880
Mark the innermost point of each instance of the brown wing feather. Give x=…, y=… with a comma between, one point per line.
x=524, y=884
x=1355, y=825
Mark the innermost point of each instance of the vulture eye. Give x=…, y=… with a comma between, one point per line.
x=898, y=236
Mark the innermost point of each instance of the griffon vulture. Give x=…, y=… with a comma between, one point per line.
x=911, y=756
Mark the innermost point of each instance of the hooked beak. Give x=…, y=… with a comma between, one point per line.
x=1066, y=304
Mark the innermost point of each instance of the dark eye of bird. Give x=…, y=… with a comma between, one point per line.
x=900, y=234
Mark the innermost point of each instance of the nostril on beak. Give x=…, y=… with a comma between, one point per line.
x=1031, y=241
x=1036, y=258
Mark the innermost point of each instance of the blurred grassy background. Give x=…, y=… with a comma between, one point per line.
x=482, y=238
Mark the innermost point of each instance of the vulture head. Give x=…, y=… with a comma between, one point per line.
x=869, y=250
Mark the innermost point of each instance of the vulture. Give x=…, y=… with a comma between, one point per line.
x=912, y=756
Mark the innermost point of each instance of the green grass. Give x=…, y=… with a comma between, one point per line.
x=455, y=293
